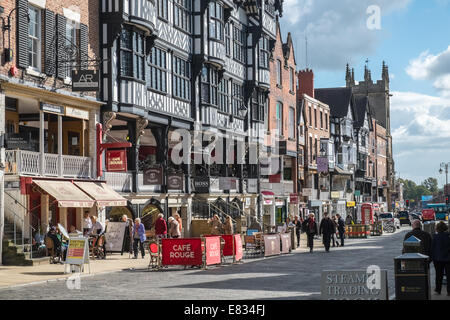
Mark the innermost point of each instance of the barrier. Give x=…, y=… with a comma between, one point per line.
x=232, y=245
x=272, y=245
x=376, y=229
x=238, y=252
x=286, y=245
x=212, y=250
x=357, y=231
x=184, y=251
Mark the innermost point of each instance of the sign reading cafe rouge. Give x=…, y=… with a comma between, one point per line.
x=116, y=160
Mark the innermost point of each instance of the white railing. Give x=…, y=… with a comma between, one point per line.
x=29, y=163
x=119, y=181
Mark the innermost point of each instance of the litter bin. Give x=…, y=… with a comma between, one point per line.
x=412, y=273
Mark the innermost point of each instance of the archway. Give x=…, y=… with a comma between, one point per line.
x=114, y=214
x=149, y=215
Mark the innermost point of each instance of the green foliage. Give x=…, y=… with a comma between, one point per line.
x=413, y=191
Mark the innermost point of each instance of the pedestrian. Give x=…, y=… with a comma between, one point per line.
x=349, y=220
x=138, y=238
x=128, y=232
x=333, y=236
x=97, y=227
x=298, y=229
x=341, y=228
x=440, y=254
x=174, y=228
x=87, y=223
x=228, y=225
x=326, y=229
x=310, y=227
x=216, y=225
x=180, y=222
x=160, y=227
x=423, y=236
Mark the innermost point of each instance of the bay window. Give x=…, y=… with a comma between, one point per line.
x=237, y=94
x=181, y=78
x=182, y=14
x=223, y=96
x=264, y=52
x=239, y=44
x=216, y=25
x=132, y=54
x=158, y=69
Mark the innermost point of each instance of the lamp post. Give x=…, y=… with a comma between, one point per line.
x=445, y=167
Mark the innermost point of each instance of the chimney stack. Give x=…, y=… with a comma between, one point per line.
x=305, y=83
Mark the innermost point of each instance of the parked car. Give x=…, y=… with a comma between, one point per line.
x=415, y=216
x=403, y=216
x=390, y=217
x=428, y=215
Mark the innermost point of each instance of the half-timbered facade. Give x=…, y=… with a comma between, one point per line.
x=197, y=65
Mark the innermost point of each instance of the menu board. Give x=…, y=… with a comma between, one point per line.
x=77, y=251
x=115, y=233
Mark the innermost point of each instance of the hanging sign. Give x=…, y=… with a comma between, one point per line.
x=153, y=176
x=85, y=80
x=175, y=181
x=116, y=160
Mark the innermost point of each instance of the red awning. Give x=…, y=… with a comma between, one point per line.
x=267, y=193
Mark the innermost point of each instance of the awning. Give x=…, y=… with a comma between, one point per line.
x=341, y=171
x=103, y=195
x=66, y=194
x=267, y=194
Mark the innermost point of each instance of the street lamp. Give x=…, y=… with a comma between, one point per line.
x=445, y=166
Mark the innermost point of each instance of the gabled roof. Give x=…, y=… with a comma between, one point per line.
x=338, y=99
x=287, y=47
x=360, y=110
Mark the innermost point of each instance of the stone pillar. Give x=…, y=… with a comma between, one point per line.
x=44, y=212
x=79, y=218
x=41, y=142
x=94, y=118
x=63, y=217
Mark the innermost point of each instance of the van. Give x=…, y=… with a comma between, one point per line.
x=428, y=215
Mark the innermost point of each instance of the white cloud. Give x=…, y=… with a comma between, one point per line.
x=337, y=30
x=435, y=67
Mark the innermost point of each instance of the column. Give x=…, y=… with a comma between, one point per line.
x=79, y=217
x=2, y=171
x=41, y=142
x=60, y=147
x=94, y=117
x=44, y=212
x=63, y=217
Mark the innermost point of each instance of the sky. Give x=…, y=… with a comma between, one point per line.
x=413, y=38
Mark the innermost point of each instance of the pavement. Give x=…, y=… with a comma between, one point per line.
x=291, y=276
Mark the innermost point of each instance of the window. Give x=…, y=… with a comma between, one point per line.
x=326, y=121
x=279, y=118
x=264, y=53
x=310, y=117
x=132, y=54
x=227, y=39
x=34, y=38
x=279, y=73
x=216, y=21
x=71, y=41
x=158, y=69
x=181, y=78
x=259, y=101
x=162, y=9
x=291, y=123
x=182, y=14
x=223, y=96
x=269, y=7
x=238, y=44
x=291, y=79
x=321, y=120
x=210, y=82
x=237, y=97
x=315, y=118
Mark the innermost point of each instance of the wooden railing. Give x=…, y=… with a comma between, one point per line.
x=29, y=163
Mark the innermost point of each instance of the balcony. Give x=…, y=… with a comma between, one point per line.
x=21, y=162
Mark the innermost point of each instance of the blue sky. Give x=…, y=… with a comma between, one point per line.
x=414, y=40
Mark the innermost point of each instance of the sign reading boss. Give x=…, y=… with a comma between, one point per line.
x=182, y=251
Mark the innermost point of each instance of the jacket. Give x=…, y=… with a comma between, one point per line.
x=216, y=227
x=307, y=228
x=174, y=229
x=228, y=227
x=440, y=247
x=327, y=226
x=424, y=237
x=140, y=231
x=298, y=227
x=160, y=226
x=341, y=225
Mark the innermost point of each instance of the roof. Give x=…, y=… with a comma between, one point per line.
x=360, y=110
x=338, y=99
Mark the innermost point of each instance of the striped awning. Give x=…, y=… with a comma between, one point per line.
x=66, y=193
x=103, y=195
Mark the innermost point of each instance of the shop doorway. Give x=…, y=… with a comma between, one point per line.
x=114, y=214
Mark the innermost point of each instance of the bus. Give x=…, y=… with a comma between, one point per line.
x=441, y=210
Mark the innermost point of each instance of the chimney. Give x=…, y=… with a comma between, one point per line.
x=305, y=83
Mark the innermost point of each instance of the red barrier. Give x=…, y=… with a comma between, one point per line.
x=185, y=251
x=212, y=250
x=238, y=253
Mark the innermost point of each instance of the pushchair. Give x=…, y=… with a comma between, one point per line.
x=97, y=246
x=53, y=250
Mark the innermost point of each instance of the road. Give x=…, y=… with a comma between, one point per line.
x=293, y=276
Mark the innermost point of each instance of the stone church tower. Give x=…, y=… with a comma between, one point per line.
x=380, y=108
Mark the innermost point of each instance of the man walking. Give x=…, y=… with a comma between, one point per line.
x=310, y=227
x=298, y=228
x=423, y=236
x=326, y=229
x=341, y=228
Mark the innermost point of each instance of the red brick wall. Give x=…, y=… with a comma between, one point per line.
x=306, y=82
x=89, y=15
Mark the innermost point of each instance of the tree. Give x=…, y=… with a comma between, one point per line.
x=431, y=184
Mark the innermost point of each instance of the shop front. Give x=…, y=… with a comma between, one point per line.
x=268, y=207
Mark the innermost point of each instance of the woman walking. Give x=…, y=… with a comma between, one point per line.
x=310, y=226
x=440, y=255
x=138, y=238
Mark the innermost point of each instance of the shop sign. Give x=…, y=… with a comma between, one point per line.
x=182, y=251
x=252, y=185
x=17, y=141
x=85, y=80
x=293, y=198
x=354, y=285
x=357, y=193
x=201, y=184
x=275, y=178
x=175, y=181
x=116, y=160
x=77, y=113
x=322, y=164
x=351, y=203
x=279, y=203
x=335, y=194
x=212, y=250
x=153, y=176
x=51, y=108
x=77, y=251
x=315, y=203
